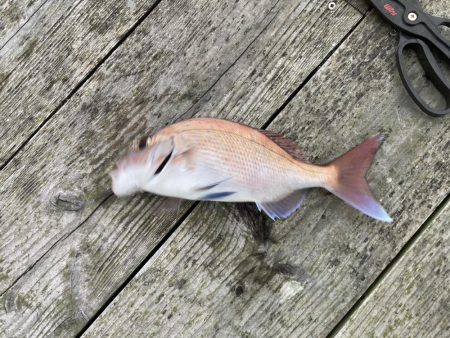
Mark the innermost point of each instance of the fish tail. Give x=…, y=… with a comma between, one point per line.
x=349, y=181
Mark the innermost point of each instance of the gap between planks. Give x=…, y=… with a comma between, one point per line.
x=191, y=209
x=109, y=192
x=82, y=81
x=137, y=269
x=232, y=64
x=392, y=264
x=313, y=72
x=267, y=123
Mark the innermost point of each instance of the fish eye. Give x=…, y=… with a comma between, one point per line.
x=143, y=143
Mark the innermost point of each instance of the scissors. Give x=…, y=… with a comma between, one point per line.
x=419, y=31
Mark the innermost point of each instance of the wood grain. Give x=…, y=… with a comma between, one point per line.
x=50, y=55
x=413, y=299
x=52, y=186
x=14, y=15
x=212, y=279
x=165, y=71
x=360, y=5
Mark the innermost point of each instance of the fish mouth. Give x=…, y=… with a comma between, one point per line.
x=113, y=174
x=122, y=183
x=128, y=173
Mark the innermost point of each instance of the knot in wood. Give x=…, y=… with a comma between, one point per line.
x=238, y=289
x=67, y=200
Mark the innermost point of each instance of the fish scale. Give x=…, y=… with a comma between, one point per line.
x=219, y=160
x=250, y=165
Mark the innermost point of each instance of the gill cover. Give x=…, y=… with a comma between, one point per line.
x=161, y=154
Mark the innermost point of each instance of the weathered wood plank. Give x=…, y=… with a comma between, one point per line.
x=280, y=46
x=50, y=55
x=14, y=15
x=211, y=279
x=50, y=190
x=413, y=299
x=360, y=5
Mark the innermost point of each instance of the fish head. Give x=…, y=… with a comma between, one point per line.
x=141, y=165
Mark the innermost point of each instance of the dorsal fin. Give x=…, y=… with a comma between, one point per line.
x=287, y=145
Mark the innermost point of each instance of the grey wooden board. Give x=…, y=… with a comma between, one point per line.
x=413, y=299
x=57, y=181
x=14, y=15
x=50, y=55
x=154, y=78
x=360, y=5
x=211, y=278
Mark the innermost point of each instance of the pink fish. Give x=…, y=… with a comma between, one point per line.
x=219, y=160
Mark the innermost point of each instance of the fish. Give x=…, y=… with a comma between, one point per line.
x=210, y=159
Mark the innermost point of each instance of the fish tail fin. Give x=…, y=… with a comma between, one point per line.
x=349, y=181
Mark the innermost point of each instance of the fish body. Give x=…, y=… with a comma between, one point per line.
x=220, y=160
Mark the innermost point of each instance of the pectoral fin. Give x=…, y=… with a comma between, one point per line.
x=217, y=196
x=282, y=208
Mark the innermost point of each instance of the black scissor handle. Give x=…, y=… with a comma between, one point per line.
x=439, y=21
x=409, y=18
x=432, y=71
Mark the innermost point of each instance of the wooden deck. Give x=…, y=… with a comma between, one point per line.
x=80, y=80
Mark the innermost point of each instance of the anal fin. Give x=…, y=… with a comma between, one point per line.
x=283, y=208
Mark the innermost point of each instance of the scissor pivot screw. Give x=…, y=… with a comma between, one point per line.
x=412, y=16
x=331, y=5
